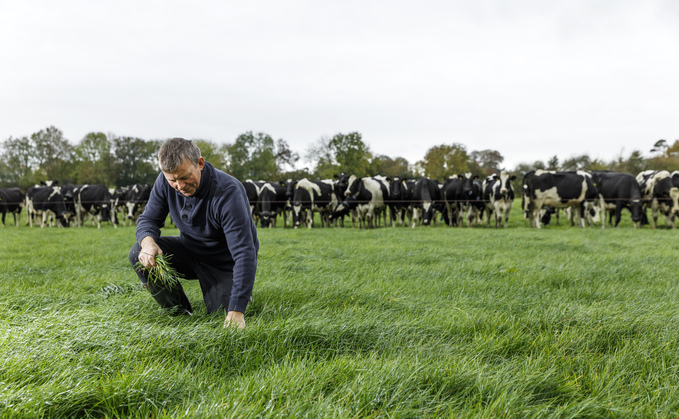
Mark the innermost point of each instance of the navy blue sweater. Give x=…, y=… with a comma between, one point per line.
x=215, y=224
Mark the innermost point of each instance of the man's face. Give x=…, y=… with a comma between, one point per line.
x=186, y=178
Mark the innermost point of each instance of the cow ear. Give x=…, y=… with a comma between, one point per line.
x=476, y=177
x=513, y=177
x=389, y=179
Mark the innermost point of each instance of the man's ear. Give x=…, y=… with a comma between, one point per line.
x=201, y=163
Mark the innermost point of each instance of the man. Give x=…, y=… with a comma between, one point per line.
x=217, y=243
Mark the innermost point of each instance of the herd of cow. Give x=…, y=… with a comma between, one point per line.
x=50, y=204
x=587, y=197
x=466, y=200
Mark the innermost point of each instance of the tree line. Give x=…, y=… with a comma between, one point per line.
x=113, y=160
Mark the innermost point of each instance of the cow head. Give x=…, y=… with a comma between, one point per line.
x=427, y=212
x=289, y=188
x=636, y=208
x=506, y=189
x=468, y=186
x=341, y=183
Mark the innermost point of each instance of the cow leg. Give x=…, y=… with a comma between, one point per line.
x=618, y=212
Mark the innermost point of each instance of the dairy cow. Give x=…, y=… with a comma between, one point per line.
x=313, y=196
x=94, y=201
x=252, y=192
x=271, y=202
x=660, y=194
x=368, y=196
x=449, y=192
x=46, y=201
x=400, y=197
x=556, y=189
x=136, y=199
x=426, y=194
x=617, y=191
x=463, y=199
x=12, y=201
x=498, y=194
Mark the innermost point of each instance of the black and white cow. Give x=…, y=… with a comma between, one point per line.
x=136, y=199
x=313, y=196
x=95, y=201
x=463, y=197
x=368, y=196
x=449, y=192
x=426, y=194
x=341, y=184
x=498, y=193
x=486, y=190
x=252, y=192
x=617, y=191
x=556, y=189
x=400, y=197
x=118, y=203
x=46, y=201
x=271, y=202
x=658, y=191
x=70, y=193
x=12, y=201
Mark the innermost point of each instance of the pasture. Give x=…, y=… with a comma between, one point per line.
x=392, y=322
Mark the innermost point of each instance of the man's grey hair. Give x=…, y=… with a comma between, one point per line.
x=173, y=153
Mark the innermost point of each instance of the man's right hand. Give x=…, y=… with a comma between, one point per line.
x=148, y=252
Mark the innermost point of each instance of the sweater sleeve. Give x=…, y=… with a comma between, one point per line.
x=155, y=213
x=241, y=239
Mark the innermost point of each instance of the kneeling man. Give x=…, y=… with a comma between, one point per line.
x=217, y=242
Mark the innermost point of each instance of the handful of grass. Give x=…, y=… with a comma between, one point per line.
x=163, y=274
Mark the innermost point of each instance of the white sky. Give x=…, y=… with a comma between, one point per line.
x=530, y=79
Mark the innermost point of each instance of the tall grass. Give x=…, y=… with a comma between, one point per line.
x=393, y=322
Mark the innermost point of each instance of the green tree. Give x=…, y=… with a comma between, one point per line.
x=445, y=160
x=553, y=163
x=487, y=161
x=634, y=164
x=135, y=160
x=252, y=156
x=660, y=147
x=213, y=153
x=285, y=157
x=53, y=154
x=19, y=162
x=386, y=166
x=351, y=153
x=322, y=159
x=95, y=162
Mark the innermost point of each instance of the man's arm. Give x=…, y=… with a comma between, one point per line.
x=241, y=239
x=148, y=225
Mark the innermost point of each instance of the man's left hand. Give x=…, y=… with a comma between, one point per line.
x=235, y=318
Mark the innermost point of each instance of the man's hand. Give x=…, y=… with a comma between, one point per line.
x=148, y=252
x=235, y=319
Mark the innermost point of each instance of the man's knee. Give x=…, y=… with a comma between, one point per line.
x=134, y=254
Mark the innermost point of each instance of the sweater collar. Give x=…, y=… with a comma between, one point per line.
x=205, y=181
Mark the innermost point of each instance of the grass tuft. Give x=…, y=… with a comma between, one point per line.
x=163, y=274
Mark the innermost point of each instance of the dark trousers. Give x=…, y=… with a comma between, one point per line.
x=215, y=280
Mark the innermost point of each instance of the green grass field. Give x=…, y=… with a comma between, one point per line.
x=393, y=322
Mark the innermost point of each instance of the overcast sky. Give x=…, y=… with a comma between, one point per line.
x=531, y=79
